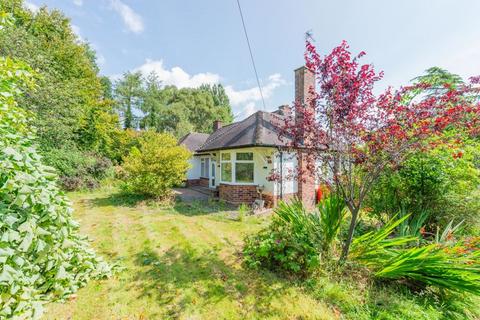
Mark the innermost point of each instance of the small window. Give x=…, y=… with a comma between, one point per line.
x=227, y=171
x=202, y=167
x=226, y=157
x=244, y=156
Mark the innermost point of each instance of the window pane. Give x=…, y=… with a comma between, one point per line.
x=227, y=172
x=243, y=172
x=244, y=156
x=202, y=167
x=226, y=157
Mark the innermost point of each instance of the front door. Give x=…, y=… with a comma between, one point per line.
x=212, y=174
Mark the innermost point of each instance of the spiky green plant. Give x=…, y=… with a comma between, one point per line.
x=332, y=212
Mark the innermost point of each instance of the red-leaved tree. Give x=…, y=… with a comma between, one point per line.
x=358, y=134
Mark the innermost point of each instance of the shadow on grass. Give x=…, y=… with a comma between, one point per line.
x=201, y=207
x=184, y=279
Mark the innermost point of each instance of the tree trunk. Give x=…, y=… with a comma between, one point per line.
x=346, y=247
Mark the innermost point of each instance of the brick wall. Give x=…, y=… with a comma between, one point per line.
x=192, y=182
x=306, y=182
x=238, y=194
x=204, y=182
x=304, y=80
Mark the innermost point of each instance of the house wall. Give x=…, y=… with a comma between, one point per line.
x=194, y=172
x=266, y=160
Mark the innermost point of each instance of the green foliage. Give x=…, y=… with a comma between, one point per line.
x=42, y=257
x=435, y=184
x=169, y=109
x=157, y=165
x=128, y=94
x=280, y=248
x=332, y=213
x=71, y=103
x=455, y=267
x=297, y=238
x=79, y=169
x=243, y=210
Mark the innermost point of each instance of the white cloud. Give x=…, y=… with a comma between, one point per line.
x=244, y=101
x=177, y=76
x=31, y=6
x=78, y=2
x=132, y=20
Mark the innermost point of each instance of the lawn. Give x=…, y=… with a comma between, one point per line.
x=184, y=262
x=181, y=262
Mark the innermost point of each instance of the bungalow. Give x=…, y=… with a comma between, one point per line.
x=237, y=159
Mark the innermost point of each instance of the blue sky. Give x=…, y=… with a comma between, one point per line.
x=189, y=42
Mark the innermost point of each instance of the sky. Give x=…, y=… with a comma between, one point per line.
x=190, y=42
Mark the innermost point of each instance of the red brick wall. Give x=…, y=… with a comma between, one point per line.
x=238, y=193
x=304, y=80
x=193, y=182
x=204, y=182
x=306, y=182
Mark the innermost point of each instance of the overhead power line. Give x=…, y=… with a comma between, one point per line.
x=251, y=54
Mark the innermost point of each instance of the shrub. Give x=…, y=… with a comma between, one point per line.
x=156, y=166
x=443, y=186
x=42, y=256
x=296, y=239
x=78, y=169
x=454, y=267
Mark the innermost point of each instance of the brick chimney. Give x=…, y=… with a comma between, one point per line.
x=217, y=124
x=304, y=80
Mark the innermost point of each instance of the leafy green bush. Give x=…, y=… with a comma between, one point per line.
x=280, y=248
x=78, y=169
x=296, y=239
x=156, y=166
x=42, y=257
x=440, y=183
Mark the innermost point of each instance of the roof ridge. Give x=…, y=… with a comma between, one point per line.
x=229, y=127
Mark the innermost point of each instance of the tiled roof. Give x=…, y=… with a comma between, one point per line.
x=259, y=129
x=193, y=141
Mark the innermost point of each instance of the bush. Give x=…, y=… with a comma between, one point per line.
x=78, y=169
x=156, y=166
x=443, y=186
x=42, y=256
x=454, y=267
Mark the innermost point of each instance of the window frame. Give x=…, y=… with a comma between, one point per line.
x=233, y=161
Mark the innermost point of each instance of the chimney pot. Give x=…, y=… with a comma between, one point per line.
x=217, y=124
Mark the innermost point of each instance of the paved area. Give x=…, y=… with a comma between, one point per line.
x=187, y=194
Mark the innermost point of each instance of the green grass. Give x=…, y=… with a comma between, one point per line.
x=183, y=262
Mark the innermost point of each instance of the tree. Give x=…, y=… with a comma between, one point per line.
x=359, y=135
x=42, y=256
x=128, y=94
x=153, y=103
x=68, y=85
x=156, y=166
x=220, y=100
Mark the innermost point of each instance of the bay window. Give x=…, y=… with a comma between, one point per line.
x=239, y=169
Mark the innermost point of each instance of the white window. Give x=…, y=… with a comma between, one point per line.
x=239, y=169
x=244, y=167
x=226, y=167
